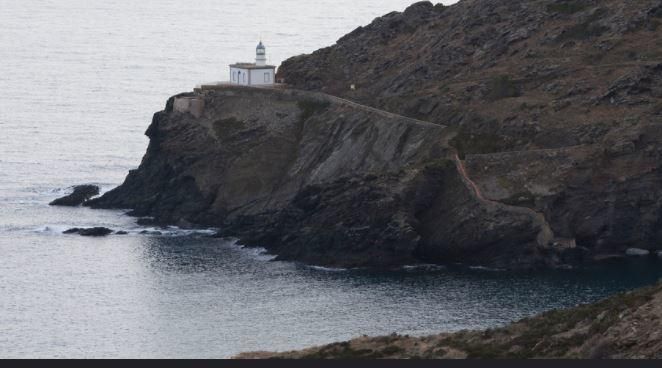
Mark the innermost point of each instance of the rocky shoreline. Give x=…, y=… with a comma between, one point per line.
x=316, y=179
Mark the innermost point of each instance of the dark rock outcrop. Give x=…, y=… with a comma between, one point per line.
x=556, y=104
x=93, y=231
x=325, y=181
x=80, y=195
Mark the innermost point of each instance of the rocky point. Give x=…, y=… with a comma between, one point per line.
x=512, y=134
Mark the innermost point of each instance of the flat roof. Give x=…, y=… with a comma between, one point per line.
x=251, y=66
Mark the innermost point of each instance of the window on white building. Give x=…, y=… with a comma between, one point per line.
x=234, y=76
x=267, y=77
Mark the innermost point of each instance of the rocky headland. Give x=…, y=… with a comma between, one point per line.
x=555, y=103
x=322, y=180
x=511, y=134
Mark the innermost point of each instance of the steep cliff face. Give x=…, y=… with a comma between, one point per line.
x=556, y=103
x=322, y=180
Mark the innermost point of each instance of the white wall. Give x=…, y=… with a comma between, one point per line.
x=239, y=76
x=258, y=77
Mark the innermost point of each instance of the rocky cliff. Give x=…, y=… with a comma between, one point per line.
x=315, y=178
x=530, y=140
x=626, y=326
x=556, y=104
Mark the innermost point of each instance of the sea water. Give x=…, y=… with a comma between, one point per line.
x=79, y=82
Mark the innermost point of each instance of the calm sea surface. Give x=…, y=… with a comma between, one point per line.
x=79, y=81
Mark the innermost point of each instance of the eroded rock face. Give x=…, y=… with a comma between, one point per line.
x=556, y=104
x=80, y=195
x=324, y=181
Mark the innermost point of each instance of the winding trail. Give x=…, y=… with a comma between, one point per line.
x=315, y=95
x=465, y=177
x=545, y=236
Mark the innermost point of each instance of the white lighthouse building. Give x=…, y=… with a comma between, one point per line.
x=254, y=74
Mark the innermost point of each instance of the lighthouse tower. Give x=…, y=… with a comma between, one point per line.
x=260, y=55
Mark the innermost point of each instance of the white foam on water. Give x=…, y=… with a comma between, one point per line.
x=171, y=231
x=261, y=254
x=257, y=253
x=328, y=269
x=56, y=192
x=45, y=195
x=50, y=229
x=105, y=188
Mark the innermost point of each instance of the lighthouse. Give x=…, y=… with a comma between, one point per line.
x=254, y=74
x=260, y=55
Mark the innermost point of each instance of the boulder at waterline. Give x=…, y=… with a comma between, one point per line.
x=80, y=195
x=93, y=231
